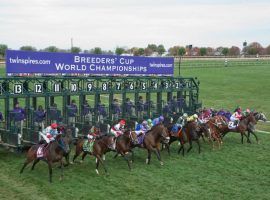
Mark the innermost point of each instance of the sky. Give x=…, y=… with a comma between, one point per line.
x=133, y=23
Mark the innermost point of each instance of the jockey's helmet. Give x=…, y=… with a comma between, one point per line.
x=149, y=121
x=185, y=115
x=122, y=122
x=161, y=118
x=54, y=125
x=247, y=110
x=195, y=116
x=144, y=123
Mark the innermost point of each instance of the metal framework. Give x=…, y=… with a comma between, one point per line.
x=33, y=91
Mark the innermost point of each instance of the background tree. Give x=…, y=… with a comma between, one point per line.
x=181, y=51
x=96, y=50
x=119, y=51
x=28, y=48
x=254, y=48
x=141, y=51
x=203, y=51
x=3, y=49
x=225, y=51
x=148, y=51
x=160, y=49
x=75, y=50
x=267, y=50
x=152, y=47
x=234, y=51
x=210, y=51
x=51, y=49
x=174, y=51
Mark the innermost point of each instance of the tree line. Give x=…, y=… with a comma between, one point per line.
x=253, y=48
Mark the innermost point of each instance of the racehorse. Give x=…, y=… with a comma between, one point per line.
x=54, y=152
x=214, y=124
x=245, y=123
x=190, y=134
x=124, y=144
x=152, y=141
x=258, y=116
x=102, y=145
x=67, y=139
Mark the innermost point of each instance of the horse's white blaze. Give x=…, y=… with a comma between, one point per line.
x=97, y=171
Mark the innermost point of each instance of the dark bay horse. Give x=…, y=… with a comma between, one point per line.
x=246, y=122
x=102, y=145
x=193, y=132
x=67, y=139
x=251, y=129
x=54, y=152
x=125, y=143
x=152, y=140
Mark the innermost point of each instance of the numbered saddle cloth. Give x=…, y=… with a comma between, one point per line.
x=41, y=152
x=88, y=146
x=232, y=125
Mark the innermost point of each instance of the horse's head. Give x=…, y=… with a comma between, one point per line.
x=164, y=133
x=260, y=116
x=62, y=144
x=110, y=141
x=204, y=130
x=133, y=137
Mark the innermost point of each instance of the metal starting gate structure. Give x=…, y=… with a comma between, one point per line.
x=49, y=91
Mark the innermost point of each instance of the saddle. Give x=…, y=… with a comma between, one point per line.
x=42, y=149
x=88, y=146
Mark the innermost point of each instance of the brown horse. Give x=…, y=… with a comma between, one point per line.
x=152, y=140
x=244, y=124
x=124, y=145
x=102, y=145
x=67, y=139
x=214, y=124
x=54, y=152
x=191, y=133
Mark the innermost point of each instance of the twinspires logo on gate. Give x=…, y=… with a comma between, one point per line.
x=18, y=62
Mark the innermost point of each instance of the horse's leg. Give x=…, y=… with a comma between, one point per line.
x=126, y=158
x=67, y=160
x=168, y=148
x=28, y=160
x=148, y=157
x=132, y=155
x=50, y=170
x=158, y=155
x=97, y=163
x=35, y=162
x=62, y=170
x=115, y=156
x=83, y=156
x=77, y=153
x=244, y=134
x=199, y=145
x=190, y=146
x=255, y=137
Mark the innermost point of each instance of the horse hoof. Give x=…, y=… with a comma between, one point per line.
x=97, y=172
x=81, y=161
x=147, y=161
x=161, y=163
x=71, y=163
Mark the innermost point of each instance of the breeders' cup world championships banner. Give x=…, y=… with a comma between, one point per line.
x=18, y=62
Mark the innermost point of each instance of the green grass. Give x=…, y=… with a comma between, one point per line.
x=235, y=171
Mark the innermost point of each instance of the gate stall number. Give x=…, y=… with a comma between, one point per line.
x=38, y=88
x=18, y=88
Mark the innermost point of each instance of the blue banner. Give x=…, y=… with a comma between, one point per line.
x=27, y=62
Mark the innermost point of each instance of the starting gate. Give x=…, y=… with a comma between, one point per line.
x=94, y=97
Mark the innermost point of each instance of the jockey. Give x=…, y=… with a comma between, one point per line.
x=142, y=128
x=149, y=123
x=236, y=116
x=49, y=134
x=118, y=128
x=180, y=123
x=246, y=112
x=192, y=118
x=158, y=120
